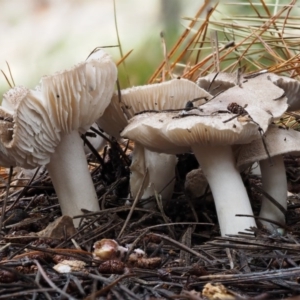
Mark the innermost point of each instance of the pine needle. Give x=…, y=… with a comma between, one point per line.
x=266, y=38
x=124, y=57
x=119, y=41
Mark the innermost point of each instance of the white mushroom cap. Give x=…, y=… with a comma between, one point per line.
x=173, y=94
x=263, y=100
x=291, y=89
x=162, y=133
x=32, y=121
x=28, y=139
x=278, y=141
x=86, y=89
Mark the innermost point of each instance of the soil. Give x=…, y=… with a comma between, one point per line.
x=183, y=255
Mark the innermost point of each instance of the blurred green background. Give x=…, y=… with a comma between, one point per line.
x=40, y=37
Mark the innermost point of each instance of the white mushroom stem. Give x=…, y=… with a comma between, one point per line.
x=229, y=192
x=71, y=178
x=274, y=183
x=161, y=169
x=161, y=174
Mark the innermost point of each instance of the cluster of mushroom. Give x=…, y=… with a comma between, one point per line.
x=43, y=126
x=269, y=149
x=160, y=165
x=227, y=124
x=225, y=132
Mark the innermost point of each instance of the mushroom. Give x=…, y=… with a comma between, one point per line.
x=161, y=173
x=271, y=175
x=279, y=141
x=215, y=83
x=195, y=186
x=290, y=86
x=173, y=94
x=210, y=131
x=43, y=127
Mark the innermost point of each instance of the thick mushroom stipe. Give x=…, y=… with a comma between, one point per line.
x=71, y=177
x=218, y=163
x=161, y=174
x=274, y=183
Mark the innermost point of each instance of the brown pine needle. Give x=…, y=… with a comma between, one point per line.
x=10, y=74
x=7, y=80
x=260, y=41
x=124, y=57
x=180, y=40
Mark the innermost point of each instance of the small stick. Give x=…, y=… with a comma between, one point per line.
x=239, y=77
x=6, y=197
x=166, y=65
x=137, y=198
x=7, y=80
x=183, y=247
x=215, y=46
x=6, y=119
x=107, y=288
x=93, y=150
x=212, y=81
x=51, y=283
